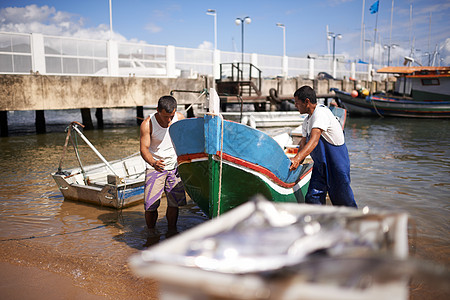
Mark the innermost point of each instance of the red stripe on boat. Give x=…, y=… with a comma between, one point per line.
x=187, y=158
x=260, y=170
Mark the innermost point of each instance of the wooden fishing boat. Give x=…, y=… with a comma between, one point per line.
x=117, y=184
x=224, y=163
x=420, y=92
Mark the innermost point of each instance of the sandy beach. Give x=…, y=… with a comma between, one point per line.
x=30, y=270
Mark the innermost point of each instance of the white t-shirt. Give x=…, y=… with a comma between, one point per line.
x=324, y=119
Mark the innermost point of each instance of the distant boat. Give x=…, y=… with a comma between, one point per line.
x=116, y=184
x=223, y=164
x=420, y=92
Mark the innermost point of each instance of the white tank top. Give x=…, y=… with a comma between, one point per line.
x=161, y=146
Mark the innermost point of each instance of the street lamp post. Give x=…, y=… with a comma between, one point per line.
x=110, y=21
x=284, y=37
x=393, y=46
x=238, y=22
x=332, y=35
x=212, y=12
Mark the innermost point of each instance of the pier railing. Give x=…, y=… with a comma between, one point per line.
x=55, y=55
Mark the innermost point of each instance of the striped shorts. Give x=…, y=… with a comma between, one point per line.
x=168, y=181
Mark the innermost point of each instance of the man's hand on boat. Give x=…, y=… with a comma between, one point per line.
x=295, y=162
x=159, y=165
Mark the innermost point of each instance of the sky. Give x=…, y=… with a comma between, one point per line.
x=422, y=25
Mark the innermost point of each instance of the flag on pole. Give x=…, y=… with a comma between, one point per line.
x=374, y=7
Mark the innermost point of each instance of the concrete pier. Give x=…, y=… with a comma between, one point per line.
x=41, y=92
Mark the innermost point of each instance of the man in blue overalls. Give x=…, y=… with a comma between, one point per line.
x=323, y=138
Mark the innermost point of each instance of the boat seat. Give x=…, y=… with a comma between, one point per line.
x=134, y=167
x=97, y=179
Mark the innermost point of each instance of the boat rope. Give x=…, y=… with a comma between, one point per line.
x=375, y=107
x=220, y=166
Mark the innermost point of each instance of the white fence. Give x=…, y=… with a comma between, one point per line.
x=53, y=55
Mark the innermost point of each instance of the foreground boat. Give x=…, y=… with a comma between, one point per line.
x=266, y=250
x=117, y=184
x=420, y=92
x=223, y=164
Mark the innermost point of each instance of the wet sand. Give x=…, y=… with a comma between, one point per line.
x=30, y=270
x=42, y=268
x=19, y=282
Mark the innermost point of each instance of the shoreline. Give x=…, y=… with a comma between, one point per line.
x=31, y=267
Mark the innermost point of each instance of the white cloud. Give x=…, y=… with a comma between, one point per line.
x=46, y=20
x=205, y=45
x=153, y=28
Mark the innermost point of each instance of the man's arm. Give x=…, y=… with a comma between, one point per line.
x=145, y=140
x=305, y=148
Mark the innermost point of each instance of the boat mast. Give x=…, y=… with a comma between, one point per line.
x=375, y=37
x=361, y=44
x=390, y=32
x=429, y=37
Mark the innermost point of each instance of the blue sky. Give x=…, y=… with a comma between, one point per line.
x=186, y=24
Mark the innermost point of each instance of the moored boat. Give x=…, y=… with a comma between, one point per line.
x=381, y=105
x=224, y=163
x=420, y=92
x=117, y=184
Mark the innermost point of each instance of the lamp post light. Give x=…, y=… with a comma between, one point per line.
x=393, y=46
x=212, y=12
x=284, y=37
x=238, y=22
x=332, y=35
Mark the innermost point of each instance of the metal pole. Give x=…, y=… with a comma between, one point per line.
x=389, y=54
x=110, y=21
x=242, y=45
x=215, y=30
x=334, y=44
x=212, y=12
x=94, y=149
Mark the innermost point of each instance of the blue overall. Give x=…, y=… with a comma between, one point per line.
x=331, y=172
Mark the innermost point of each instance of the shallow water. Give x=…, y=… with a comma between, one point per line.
x=396, y=164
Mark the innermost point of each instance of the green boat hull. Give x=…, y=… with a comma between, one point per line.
x=217, y=189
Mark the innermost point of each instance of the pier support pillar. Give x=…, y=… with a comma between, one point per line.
x=99, y=117
x=87, y=119
x=139, y=115
x=40, y=122
x=3, y=123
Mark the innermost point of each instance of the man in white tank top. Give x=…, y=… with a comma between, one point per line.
x=162, y=174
